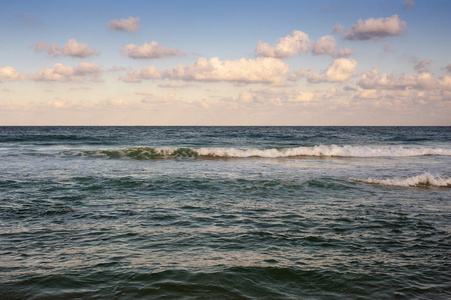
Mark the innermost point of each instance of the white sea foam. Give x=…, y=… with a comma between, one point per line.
x=425, y=179
x=325, y=150
x=318, y=151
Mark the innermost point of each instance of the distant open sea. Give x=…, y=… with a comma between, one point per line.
x=225, y=212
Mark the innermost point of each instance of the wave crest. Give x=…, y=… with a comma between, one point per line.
x=423, y=180
x=145, y=153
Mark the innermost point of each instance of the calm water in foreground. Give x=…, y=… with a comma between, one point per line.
x=225, y=212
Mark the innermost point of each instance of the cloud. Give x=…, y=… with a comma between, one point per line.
x=150, y=72
x=338, y=28
x=303, y=97
x=373, y=29
x=130, y=25
x=343, y=52
x=59, y=72
x=299, y=43
x=422, y=66
x=324, y=45
x=262, y=69
x=151, y=98
x=259, y=70
x=8, y=73
x=408, y=4
x=369, y=94
x=70, y=48
x=422, y=81
x=174, y=84
x=296, y=43
x=448, y=68
x=340, y=70
x=275, y=96
x=149, y=50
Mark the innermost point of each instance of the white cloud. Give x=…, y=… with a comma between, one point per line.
x=299, y=43
x=303, y=97
x=369, y=94
x=373, y=29
x=259, y=70
x=149, y=50
x=59, y=72
x=70, y=48
x=422, y=66
x=8, y=73
x=324, y=45
x=422, y=81
x=130, y=25
x=408, y=4
x=296, y=43
x=340, y=70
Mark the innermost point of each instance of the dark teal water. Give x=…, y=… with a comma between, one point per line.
x=225, y=212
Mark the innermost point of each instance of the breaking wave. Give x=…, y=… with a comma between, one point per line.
x=145, y=153
x=423, y=180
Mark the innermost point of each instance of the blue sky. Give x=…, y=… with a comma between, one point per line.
x=225, y=63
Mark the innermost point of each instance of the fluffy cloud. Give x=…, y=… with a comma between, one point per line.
x=422, y=66
x=260, y=70
x=59, y=72
x=286, y=96
x=422, y=81
x=70, y=48
x=408, y=4
x=304, y=97
x=130, y=25
x=296, y=43
x=299, y=43
x=369, y=94
x=149, y=50
x=10, y=74
x=373, y=29
x=340, y=70
x=326, y=45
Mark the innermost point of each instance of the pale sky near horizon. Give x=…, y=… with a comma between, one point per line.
x=349, y=62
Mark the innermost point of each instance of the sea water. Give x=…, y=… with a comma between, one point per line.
x=225, y=212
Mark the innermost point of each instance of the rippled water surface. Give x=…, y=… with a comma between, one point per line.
x=225, y=212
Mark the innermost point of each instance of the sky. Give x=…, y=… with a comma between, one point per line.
x=306, y=63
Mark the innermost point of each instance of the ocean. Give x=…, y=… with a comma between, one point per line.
x=225, y=212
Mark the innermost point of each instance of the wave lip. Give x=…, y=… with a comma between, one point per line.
x=327, y=151
x=145, y=153
x=423, y=180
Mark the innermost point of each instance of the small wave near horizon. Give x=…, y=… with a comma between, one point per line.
x=147, y=153
x=423, y=180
